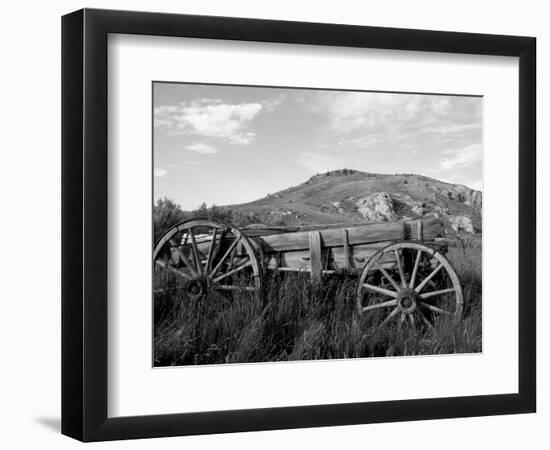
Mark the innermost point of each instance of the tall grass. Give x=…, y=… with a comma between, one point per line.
x=296, y=319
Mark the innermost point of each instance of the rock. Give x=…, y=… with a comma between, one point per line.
x=473, y=198
x=419, y=208
x=461, y=223
x=377, y=207
x=338, y=206
x=441, y=210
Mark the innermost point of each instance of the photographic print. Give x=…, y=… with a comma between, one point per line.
x=309, y=224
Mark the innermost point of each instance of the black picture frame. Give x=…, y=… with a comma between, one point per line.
x=84, y=224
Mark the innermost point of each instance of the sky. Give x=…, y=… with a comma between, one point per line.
x=233, y=144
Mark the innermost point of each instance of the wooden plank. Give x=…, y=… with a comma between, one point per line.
x=315, y=262
x=420, y=230
x=357, y=235
x=347, y=256
x=362, y=234
x=300, y=260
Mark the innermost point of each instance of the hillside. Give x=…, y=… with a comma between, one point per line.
x=350, y=196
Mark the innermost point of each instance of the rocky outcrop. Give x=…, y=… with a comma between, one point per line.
x=461, y=223
x=472, y=198
x=377, y=207
x=463, y=194
x=351, y=196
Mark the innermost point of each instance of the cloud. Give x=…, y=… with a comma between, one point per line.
x=462, y=157
x=459, y=128
x=397, y=115
x=159, y=173
x=271, y=105
x=201, y=148
x=209, y=118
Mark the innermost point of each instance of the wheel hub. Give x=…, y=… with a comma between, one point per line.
x=196, y=288
x=407, y=300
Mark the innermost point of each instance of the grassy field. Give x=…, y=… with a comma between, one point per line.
x=299, y=320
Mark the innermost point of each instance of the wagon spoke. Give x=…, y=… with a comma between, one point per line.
x=411, y=319
x=232, y=259
x=428, y=278
x=211, y=250
x=224, y=257
x=415, y=268
x=390, y=315
x=400, y=267
x=225, y=287
x=424, y=319
x=184, y=238
x=435, y=293
x=435, y=309
x=380, y=305
x=195, y=251
x=186, y=261
x=379, y=290
x=234, y=271
x=401, y=321
x=172, y=269
x=388, y=276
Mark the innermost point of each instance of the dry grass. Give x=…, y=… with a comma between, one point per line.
x=299, y=320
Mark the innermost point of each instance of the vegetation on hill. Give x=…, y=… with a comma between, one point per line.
x=347, y=196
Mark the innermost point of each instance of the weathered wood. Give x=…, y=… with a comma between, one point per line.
x=211, y=250
x=436, y=293
x=198, y=263
x=315, y=255
x=419, y=230
x=300, y=260
x=431, y=229
x=436, y=259
x=360, y=234
x=428, y=278
x=347, y=260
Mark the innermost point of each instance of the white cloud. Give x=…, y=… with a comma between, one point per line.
x=201, y=148
x=271, y=105
x=398, y=115
x=159, y=173
x=210, y=118
x=462, y=157
x=459, y=128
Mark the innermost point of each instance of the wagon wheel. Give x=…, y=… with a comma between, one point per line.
x=409, y=283
x=200, y=255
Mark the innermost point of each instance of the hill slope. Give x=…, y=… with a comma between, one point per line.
x=350, y=196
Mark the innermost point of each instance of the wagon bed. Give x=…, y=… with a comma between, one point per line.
x=333, y=248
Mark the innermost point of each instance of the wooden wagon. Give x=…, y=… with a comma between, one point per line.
x=402, y=271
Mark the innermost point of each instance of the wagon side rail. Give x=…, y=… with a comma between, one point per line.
x=333, y=250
